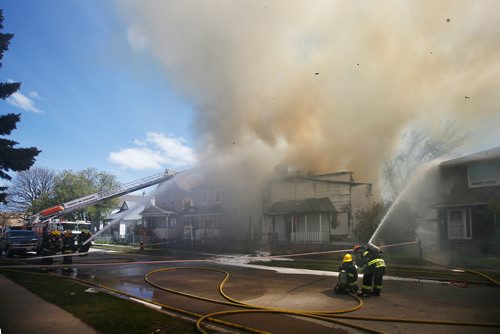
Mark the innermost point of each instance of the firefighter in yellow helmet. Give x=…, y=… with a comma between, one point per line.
x=55, y=241
x=348, y=276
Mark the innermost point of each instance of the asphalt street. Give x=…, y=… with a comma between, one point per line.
x=297, y=290
x=409, y=299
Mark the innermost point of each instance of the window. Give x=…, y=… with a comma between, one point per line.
x=459, y=224
x=204, y=196
x=188, y=203
x=481, y=175
x=218, y=196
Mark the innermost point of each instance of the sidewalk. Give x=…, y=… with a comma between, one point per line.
x=21, y=311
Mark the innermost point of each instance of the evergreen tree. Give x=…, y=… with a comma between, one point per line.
x=11, y=158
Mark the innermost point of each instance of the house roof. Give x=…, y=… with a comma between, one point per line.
x=153, y=211
x=125, y=213
x=493, y=153
x=301, y=206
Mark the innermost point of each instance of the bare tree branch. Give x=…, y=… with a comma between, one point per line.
x=419, y=145
x=30, y=185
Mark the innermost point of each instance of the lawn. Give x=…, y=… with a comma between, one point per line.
x=106, y=313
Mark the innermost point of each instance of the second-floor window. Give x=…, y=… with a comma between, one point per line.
x=204, y=197
x=218, y=196
x=485, y=174
x=188, y=203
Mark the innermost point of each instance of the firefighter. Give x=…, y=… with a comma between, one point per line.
x=47, y=250
x=369, y=258
x=55, y=241
x=82, y=237
x=348, y=276
x=68, y=247
x=51, y=245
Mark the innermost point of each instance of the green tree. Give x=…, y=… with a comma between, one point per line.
x=69, y=185
x=368, y=220
x=11, y=158
x=400, y=225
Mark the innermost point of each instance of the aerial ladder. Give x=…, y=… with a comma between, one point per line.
x=79, y=203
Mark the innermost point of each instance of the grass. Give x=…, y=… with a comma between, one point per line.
x=105, y=313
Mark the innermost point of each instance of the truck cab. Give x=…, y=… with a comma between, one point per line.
x=18, y=242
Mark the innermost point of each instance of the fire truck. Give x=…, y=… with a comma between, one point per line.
x=45, y=220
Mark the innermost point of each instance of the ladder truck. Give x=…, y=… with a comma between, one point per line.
x=79, y=203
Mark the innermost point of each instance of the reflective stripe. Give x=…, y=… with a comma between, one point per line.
x=366, y=287
x=352, y=283
x=378, y=262
x=350, y=275
x=365, y=253
x=378, y=287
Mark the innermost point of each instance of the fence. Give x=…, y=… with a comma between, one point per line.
x=310, y=237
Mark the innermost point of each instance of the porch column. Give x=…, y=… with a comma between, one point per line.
x=320, y=229
x=305, y=220
x=166, y=219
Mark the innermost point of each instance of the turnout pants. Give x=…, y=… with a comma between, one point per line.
x=372, y=280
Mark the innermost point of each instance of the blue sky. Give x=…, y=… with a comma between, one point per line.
x=89, y=96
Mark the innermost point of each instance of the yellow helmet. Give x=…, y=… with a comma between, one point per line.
x=347, y=258
x=55, y=233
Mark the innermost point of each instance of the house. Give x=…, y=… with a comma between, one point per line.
x=194, y=204
x=158, y=225
x=308, y=208
x=11, y=219
x=468, y=202
x=125, y=218
x=202, y=210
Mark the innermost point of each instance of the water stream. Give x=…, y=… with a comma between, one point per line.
x=417, y=193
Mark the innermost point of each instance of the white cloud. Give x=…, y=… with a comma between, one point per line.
x=157, y=151
x=22, y=101
x=137, y=158
x=139, y=142
x=137, y=38
x=34, y=95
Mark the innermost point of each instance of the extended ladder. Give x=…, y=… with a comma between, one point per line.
x=84, y=201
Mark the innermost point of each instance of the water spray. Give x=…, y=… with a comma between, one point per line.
x=415, y=182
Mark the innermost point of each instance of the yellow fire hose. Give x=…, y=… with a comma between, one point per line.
x=332, y=316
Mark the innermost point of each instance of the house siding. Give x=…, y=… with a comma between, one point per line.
x=476, y=206
x=345, y=195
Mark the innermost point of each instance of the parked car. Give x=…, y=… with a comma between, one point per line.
x=18, y=242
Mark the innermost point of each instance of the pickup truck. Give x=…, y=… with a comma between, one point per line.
x=18, y=242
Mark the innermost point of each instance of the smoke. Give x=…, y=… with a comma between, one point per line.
x=410, y=208
x=323, y=85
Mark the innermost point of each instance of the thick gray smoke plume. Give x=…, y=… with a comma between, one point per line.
x=323, y=85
